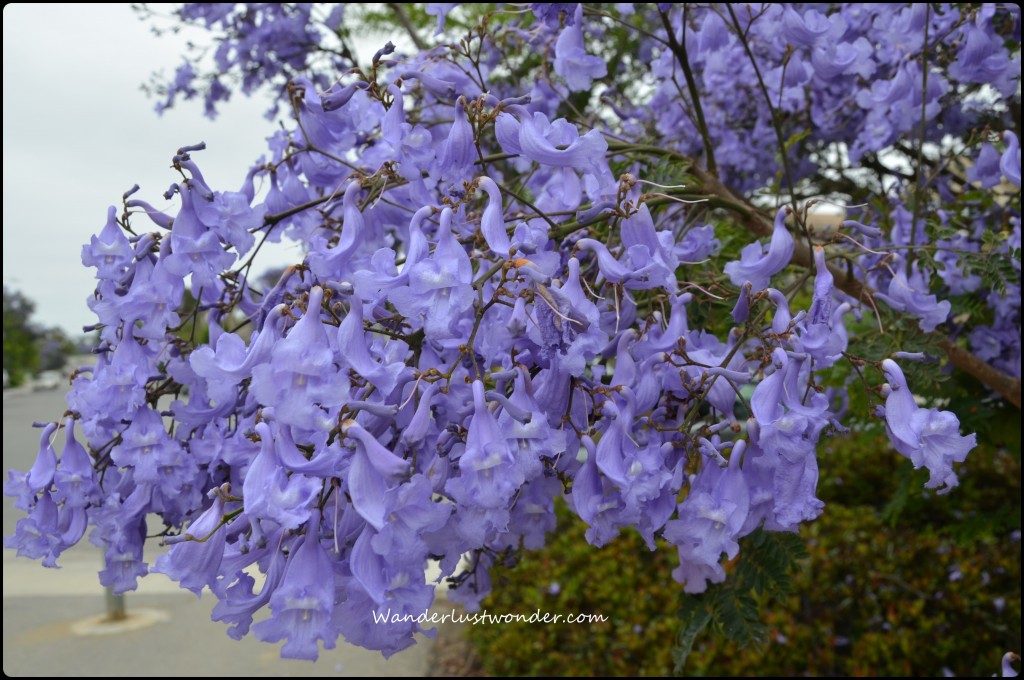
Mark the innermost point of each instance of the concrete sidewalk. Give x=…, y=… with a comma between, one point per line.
x=49, y=629
x=44, y=609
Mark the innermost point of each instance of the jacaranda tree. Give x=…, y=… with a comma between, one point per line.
x=551, y=250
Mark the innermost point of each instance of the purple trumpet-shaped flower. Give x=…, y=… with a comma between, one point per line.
x=930, y=438
x=1009, y=162
x=492, y=224
x=35, y=536
x=790, y=419
x=195, y=557
x=985, y=170
x=333, y=262
x=195, y=249
x=649, y=252
x=373, y=471
x=647, y=477
x=458, y=153
x=152, y=455
x=382, y=273
x=75, y=478
x=910, y=294
x=302, y=380
x=530, y=435
x=757, y=265
x=811, y=28
x=552, y=13
x=226, y=364
x=412, y=517
x=356, y=355
x=533, y=514
x=25, y=486
x=594, y=498
x=556, y=143
x=710, y=519
x=155, y=296
x=303, y=602
x=440, y=88
x=571, y=61
x=611, y=269
x=440, y=286
x=488, y=474
x=567, y=328
x=440, y=10
x=338, y=96
x=819, y=336
x=238, y=593
x=269, y=492
x=110, y=251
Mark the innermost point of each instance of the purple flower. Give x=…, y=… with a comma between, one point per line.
x=571, y=61
x=812, y=27
x=302, y=380
x=757, y=265
x=789, y=420
x=196, y=249
x=594, y=498
x=356, y=355
x=1009, y=162
x=440, y=10
x=333, y=262
x=492, y=224
x=458, y=153
x=439, y=290
x=303, y=602
x=986, y=170
x=110, y=251
x=269, y=492
x=75, y=478
x=710, y=519
x=488, y=476
x=552, y=13
x=124, y=565
x=557, y=143
x=194, y=559
x=374, y=470
x=821, y=332
x=911, y=295
x=152, y=455
x=928, y=437
x=567, y=329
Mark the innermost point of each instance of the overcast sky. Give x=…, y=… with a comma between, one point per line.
x=78, y=132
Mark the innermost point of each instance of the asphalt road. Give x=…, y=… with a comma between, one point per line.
x=51, y=617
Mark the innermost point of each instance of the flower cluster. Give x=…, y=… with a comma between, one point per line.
x=492, y=312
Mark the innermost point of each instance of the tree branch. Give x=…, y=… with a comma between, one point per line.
x=679, y=50
x=761, y=226
x=403, y=19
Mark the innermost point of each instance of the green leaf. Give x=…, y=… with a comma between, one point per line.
x=696, y=614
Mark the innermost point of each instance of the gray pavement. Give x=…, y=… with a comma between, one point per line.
x=50, y=617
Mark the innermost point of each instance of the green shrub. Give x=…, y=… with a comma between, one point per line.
x=897, y=582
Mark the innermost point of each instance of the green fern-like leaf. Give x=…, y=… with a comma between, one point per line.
x=696, y=613
x=733, y=608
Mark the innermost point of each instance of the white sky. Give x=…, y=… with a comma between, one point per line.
x=78, y=132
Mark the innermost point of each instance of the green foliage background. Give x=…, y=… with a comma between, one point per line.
x=21, y=355
x=896, y=581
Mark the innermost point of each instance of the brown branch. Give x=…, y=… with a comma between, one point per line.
x=403, y=19
x=679, y=50
x=1002, y=383
x=760, y=225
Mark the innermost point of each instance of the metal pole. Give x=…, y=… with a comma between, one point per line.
x=115, y=605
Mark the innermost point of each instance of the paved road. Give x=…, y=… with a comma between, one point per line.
x=46, y=613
